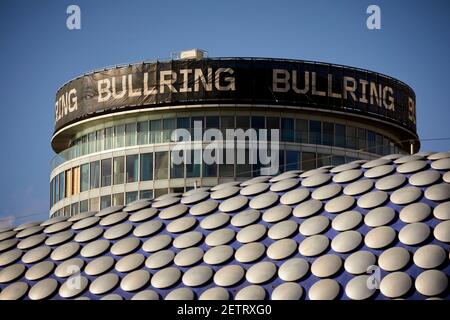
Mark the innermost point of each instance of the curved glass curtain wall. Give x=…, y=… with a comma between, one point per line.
x=148, y=164
x=297, y=130
x=144, y=166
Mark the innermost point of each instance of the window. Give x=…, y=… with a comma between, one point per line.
x=99, y=140
x=301, y=131
x=84, y=206
x=385, y=146
x=392, y=148
x=315, y=132
x=328, y=133
x=74, y=209
x=146, y=166
x=92, y=143
x=93, y=204
x=118, y=199
x=84, y=177
x=132, y=168
x=281, y=164
x=351, y=137
x=212, y=122
x=106, y=172
x=242, y=122
x=118, y=170
x=146, y=194
x=194, y=121
x=371, y=141
x=379, y=143
x=95, y=174
x=52, y=195
x=209, y=170
x=292, y=160
x=142, y=132
x=105, y=202
x=57, y=187
x=183, y=123
x=193, y=169
x=337, y=160
x=362, y=140
x=160, y=192
x=168, y=127
x=84, y=145
x=130, y=134
x=225, y=170
x=53, y=198
x=258, y=122
x=226, y=122
x=62, y=184
x=131, y=196
x=256, y=169
x=272, y=123
x=52, y=192
x=161, y=165
x=308, y=161
x=177, y=170
x=119, y=136
x=108, y=138
x=339, y=137
x=243, y=169
x=155, y=131
x=287, y=129
x=323, y=160
x=76, y=150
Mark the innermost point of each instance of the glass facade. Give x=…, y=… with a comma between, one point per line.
x=137, y=167
x=292, y=130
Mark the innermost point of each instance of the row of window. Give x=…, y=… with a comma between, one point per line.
x=291, y=130
x=98, y=203
x=157, y=166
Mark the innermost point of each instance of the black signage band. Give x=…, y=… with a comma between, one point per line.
x=235, y=80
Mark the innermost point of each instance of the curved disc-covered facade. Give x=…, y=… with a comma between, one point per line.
x=375, y=229
x=113, y=127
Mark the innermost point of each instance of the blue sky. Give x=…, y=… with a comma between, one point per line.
x=38, y=54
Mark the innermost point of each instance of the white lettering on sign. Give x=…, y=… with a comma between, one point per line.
x=170, y=81
x=411, y=110
x=369, y=92
x=66, y=103
x=138, y=87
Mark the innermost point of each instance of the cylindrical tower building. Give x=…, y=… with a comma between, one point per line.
x=113, y=126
